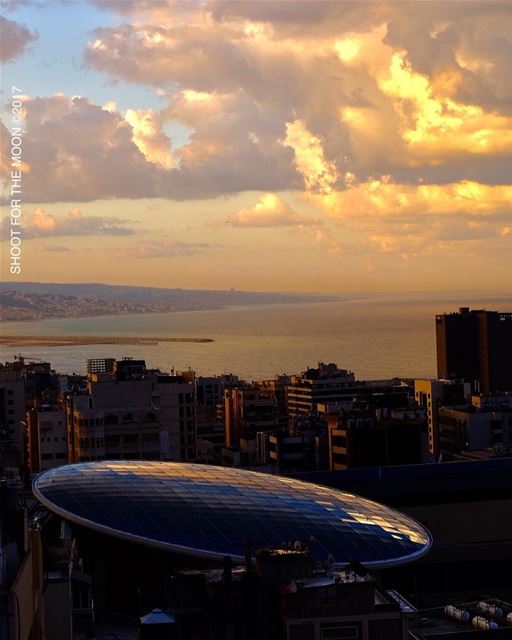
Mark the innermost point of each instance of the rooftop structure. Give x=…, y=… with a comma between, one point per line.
x=488, y=617
x=214, y=512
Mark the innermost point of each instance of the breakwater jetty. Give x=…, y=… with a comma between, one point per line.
x=71, y=341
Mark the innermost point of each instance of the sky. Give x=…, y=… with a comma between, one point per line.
x=325, y=146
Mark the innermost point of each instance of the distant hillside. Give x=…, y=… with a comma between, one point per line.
x=34, y=300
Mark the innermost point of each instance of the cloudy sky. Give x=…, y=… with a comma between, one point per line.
x=262, y=145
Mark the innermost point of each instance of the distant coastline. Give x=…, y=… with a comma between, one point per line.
x=30, y=301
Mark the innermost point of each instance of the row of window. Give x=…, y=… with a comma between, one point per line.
x=56, y=456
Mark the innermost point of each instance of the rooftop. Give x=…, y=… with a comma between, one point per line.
x=213, y=512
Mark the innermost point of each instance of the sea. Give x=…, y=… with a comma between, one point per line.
x=376, y=336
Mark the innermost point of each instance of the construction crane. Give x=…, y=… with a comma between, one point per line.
x=20, y=356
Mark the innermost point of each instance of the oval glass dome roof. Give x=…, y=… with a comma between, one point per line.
x=212, y=512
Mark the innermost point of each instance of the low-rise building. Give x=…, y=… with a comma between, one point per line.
x=485, y=425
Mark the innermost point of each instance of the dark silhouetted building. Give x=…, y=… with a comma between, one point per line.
x=365, y=442
x=476, y=346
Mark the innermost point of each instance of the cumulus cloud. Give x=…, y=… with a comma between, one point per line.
x=270, y=211
x=40, y=224
x=76, y=150
x=273, y=212
x=312, y=97
x=14, y=39
x=399, y=88
x=411, y=220
x=147, y=135
x=318, y=174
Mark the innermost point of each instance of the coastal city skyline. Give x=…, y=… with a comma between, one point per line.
x=309, y=146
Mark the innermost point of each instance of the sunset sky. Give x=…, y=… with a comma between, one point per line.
x=261, y=145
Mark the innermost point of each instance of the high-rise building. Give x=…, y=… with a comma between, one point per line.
x=12, y=416
x=477, y=347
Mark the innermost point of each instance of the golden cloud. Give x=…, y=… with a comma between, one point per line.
x=318, y=173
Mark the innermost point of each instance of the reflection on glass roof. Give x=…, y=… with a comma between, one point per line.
x=212, y=511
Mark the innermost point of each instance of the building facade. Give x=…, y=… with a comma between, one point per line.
x=476, y=345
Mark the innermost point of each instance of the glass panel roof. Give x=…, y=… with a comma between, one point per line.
x=212, y=511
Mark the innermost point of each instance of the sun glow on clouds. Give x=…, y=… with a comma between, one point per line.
x=318, y=173
x=395, y=124
x=270, y=211
x=440, y=125
x=147, y=135
x=347, y=49
x=432, y=123
x=382, y=197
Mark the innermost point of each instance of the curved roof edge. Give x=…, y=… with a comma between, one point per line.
x=211, y=555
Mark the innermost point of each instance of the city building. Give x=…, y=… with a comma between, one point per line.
x=340, y=605
x=430, y=394
x=300, y=445
x=476, y=345
x=327, y=384
x=286, y=596
x=249, y=410
x=132, y=413
x=47, y=438
x=278, y=386
x=44, y=592
x=210, y=416
x=210, y=391
x=12, y=418
x=173, y=397
x=115, y=419
x=358, y=440
x=481, y=428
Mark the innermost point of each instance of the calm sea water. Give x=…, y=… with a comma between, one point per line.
x=375, y=338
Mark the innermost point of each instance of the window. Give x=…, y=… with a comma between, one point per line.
x=338, y=631
x=302, y=632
